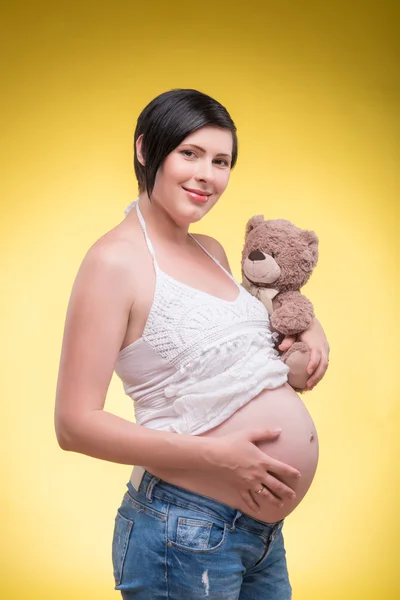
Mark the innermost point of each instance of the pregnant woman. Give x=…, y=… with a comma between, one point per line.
x=224, y=448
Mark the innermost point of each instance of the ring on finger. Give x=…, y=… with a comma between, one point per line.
x=260, y=490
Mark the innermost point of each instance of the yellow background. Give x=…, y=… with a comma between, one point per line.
x=313, y=89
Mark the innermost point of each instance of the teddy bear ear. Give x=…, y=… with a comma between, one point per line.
x=311, y=239
x=253, y=222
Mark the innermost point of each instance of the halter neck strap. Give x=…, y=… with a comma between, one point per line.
x=135, y=204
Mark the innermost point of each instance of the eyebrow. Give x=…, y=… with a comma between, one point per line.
x=202, y=150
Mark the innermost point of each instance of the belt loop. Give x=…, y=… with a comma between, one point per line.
x=232, y=527
x=277, y=527
x=149, y=492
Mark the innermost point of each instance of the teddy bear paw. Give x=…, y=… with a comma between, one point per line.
x=297, y=359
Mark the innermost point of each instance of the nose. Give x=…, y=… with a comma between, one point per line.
x=256, y=255
x=205, y=171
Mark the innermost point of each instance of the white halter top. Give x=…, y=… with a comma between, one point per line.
x=200, y=358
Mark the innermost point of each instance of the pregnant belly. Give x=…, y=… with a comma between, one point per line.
x=297, y=446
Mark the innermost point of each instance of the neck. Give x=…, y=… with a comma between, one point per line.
x=160, y=221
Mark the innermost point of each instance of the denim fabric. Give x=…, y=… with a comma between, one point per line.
x=172, y=544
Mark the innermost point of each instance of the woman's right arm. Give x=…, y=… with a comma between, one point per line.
x=95, y=328
x=96, y=323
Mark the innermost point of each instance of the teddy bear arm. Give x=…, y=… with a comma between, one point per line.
x=293, y=313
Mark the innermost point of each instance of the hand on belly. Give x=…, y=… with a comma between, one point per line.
x=297, y=446
x=236, y=478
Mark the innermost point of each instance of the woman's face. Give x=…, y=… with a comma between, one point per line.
x=194, y=175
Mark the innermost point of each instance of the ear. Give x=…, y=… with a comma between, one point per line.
x=139, y=152
x=311, y=239
x=253, y=222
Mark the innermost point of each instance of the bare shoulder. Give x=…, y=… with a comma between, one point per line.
x=113, y=262
x=117, y=249
x=110, y=251
x=215, y=248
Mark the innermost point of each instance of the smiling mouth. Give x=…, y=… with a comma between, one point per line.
x=197, y=192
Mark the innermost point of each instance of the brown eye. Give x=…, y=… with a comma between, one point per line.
x=187, y=153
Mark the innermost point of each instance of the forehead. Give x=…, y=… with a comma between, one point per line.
x=211, y=138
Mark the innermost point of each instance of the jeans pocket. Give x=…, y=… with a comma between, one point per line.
x=122, y=532
x=197, y=535
x=193, y=533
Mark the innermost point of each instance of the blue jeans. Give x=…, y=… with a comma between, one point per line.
x=172, y=544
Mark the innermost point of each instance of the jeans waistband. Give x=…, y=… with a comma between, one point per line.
x=153, y=487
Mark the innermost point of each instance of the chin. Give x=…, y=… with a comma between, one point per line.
x=190, y=213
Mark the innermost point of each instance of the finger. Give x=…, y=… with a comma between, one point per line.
x=271, y=498
x=249, y=500
x=265, y=491
x=258, y=435
x=287, y=341
x=281, y=469
x=278, y=487
x=315, y=359
x=318, y=374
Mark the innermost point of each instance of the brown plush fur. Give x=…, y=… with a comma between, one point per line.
x=277, y=260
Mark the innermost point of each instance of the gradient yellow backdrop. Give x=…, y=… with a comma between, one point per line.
x=313, y=89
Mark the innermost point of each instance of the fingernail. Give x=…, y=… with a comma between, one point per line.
x=277, y=429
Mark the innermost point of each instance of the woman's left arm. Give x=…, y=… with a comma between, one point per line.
x=315, y=339
x=314, y=336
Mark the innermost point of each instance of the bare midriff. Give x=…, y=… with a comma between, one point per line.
x=297, y=446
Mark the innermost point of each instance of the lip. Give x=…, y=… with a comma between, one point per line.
x=197, y=195
x=197, y=192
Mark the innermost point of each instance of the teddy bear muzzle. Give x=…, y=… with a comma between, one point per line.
x=261, y=268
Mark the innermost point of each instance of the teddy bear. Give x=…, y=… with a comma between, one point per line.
x=277, y=260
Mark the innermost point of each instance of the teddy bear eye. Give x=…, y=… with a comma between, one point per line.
x=273, y=254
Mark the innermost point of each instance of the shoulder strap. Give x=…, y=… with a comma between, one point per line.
x=148, y=241
x=214, y=259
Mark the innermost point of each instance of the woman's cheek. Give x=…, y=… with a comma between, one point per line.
x=180, y=168
x=223, y=181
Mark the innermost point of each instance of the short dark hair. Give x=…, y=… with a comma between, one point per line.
x=167, y=121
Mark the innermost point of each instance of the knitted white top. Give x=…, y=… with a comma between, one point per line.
x=200, y=358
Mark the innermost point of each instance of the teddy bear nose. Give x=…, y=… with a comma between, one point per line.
x=256, y=255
